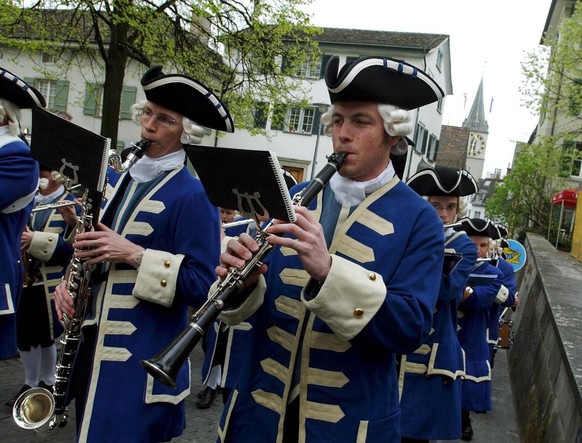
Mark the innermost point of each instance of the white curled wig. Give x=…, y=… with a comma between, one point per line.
x=192, y=133
x=396, y=123
x=10, y=110
x=462, y=206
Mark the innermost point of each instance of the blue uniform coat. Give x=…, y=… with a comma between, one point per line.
x=139, y=312
x=431, y=392
x=497, y=307
x=18, y=185
x=376, y=302
x=473, y=317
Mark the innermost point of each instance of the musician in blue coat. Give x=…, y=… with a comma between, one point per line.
x=19, y=183
x=484, y=286
x=343, y=294
x=156, y=247
x=432, y=375
x=500, y=305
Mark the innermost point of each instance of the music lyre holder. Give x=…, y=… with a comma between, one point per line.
x=250, y=181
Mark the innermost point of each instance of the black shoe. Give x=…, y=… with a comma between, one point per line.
x=467, y=432
x=10, y=403
x=49, y=388
x=206, y=398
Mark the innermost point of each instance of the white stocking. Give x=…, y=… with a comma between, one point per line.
x=31, y=362
x=48, y=365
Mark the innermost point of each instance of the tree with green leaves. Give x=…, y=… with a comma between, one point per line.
x=234, y=47
x=523, y=200
x=552, y=89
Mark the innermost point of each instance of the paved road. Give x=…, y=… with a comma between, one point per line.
x=496, y=426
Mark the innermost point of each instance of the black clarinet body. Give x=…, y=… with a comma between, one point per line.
x=165, y=365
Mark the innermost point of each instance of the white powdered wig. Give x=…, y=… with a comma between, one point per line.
x=9, y=109
x=396, y=123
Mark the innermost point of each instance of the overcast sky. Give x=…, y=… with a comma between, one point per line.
x=489, y=40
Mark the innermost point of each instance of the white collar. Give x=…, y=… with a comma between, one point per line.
x=40, y=199
x=351, y=193
x=146, y=168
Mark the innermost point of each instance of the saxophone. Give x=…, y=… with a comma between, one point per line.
x=38, y=408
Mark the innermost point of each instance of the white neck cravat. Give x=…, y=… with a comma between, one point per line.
x=40, y=199
x=351, y=193
x=146, y=168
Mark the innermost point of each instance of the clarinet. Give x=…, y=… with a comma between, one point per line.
x=165, y=365
x=38, y=408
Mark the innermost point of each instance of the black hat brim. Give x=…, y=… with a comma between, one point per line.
x=188, y=97
x=18, y=92
x=381, y=80
x=442, y=181
x=478, y=227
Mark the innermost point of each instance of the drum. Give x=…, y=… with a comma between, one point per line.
x=505, y=336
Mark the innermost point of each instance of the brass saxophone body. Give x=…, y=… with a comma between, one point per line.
x=38, y=408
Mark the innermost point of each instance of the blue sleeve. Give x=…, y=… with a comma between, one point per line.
x=454, y=284
x=483, y=296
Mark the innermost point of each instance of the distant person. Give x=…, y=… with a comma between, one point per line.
x=18, y=183
x=432, y=383
x=484, y=286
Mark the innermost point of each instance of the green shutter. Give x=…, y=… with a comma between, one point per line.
x=90, y=102
x=62, y=95
x=324, y=60
x=128, y=96
x=316, y=121
x=260, y=114
x=278, y=117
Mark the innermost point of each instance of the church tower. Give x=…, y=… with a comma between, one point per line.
x=478, y=131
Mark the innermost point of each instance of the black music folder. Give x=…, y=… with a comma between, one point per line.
x=77, y=153
x=250, y=181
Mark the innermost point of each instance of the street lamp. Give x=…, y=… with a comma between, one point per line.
x=322, y=107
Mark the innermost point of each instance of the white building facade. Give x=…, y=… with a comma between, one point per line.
x=296, y=142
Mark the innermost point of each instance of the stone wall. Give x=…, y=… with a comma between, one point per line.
x=545, y=361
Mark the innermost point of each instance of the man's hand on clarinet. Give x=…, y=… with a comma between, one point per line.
x=105, y=245
x=238, y=251
x=64, y=303
x=309, y=242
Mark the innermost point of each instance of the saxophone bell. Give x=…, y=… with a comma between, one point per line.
x=134, y=153
x=35, y=409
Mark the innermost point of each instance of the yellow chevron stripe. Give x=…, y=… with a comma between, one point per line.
x=329, y=342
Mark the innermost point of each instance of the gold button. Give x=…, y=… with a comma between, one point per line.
x=167, y=263
x=50, y=239
x=372, y=276
x=358, y=312
x=45, y=251
x=164, y=283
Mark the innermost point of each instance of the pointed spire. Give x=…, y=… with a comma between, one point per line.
x=475, y=121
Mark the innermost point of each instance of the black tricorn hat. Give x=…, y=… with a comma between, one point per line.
x=188, y=97
x=17, y=91
x=443, y=181
x=478, y=226
x=502, y=230
x=381, y=80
